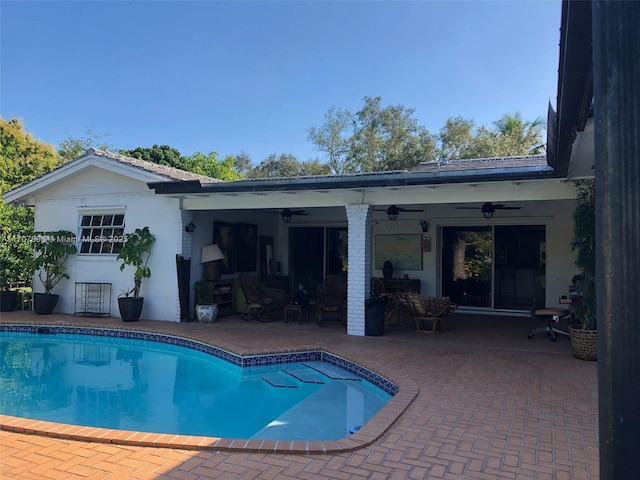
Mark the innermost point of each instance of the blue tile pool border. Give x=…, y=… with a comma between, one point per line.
x=238, y=360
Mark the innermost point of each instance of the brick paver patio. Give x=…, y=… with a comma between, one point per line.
x=491, y=405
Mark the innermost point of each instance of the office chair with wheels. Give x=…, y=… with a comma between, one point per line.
x=549, y=315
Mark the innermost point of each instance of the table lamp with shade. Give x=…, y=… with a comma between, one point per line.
x=211, y=254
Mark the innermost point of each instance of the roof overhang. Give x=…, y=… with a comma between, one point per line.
x=575, y=90
x=354, y=181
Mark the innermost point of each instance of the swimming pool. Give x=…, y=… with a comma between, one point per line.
x=168, y=386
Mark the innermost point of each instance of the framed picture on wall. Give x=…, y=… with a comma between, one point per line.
x=224, y=235
x=246, y=247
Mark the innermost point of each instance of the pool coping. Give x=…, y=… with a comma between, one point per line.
x=407, y=390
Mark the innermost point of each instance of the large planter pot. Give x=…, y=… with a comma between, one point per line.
x=207, y=313
x=8, y=301
x=44, y=303
x=583, y=343
x=130, y=308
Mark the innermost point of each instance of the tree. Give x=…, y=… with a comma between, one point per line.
x=286, y=165
x=211, y=166
x=16, y=227
x=456, y=138
x=510, y=136
x=388, y=138
x=160, y=154
x=22, y=158
x=330, y=138
x=381, y=138
x=519, y=137
x=72, y=148
x=243, y=163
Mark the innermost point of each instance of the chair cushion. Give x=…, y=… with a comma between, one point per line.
x=557, y=312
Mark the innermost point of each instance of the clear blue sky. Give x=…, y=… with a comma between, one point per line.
x=254, y=76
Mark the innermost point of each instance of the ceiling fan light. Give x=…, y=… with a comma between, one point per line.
x=286, y=216
x=487, y=214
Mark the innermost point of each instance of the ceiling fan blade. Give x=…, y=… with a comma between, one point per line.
x=409, y=210
x=300, y=212
x=506, y=208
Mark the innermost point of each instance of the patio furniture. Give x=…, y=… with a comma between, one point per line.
x=550, y=316
x=378, y=289
x=424, y=308
x=258, y=305
x=330, y=301
x=278, y=296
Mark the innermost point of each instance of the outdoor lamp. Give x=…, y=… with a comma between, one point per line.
x=393, y=212
x=209, y=258
x=190, y=228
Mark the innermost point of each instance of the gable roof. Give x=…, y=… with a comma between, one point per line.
x=134, y=168
x=170, y=173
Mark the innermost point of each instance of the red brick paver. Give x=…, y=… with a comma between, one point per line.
x=491, y=405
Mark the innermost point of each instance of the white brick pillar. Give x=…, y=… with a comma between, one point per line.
x=359, y=217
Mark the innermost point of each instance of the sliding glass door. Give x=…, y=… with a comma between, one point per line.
x=467, y=262
x=492, y=266
x=315, y=252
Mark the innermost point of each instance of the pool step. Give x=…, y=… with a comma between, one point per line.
x=334, y=373
x=304, y=375
x=310, y=373
x=278, y=380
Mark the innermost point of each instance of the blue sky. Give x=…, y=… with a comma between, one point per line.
x=254, y=76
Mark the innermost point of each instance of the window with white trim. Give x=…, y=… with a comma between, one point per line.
x=101, y=233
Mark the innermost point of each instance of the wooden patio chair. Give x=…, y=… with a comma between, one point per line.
x=330, y=301
x=378, y=290
x=424, y=308
x=258, y=305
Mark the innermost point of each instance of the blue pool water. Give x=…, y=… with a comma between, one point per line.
x=141, y=385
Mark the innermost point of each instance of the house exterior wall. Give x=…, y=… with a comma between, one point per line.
x=96, y=190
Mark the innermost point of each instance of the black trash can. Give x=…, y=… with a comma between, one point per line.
x=374, y=316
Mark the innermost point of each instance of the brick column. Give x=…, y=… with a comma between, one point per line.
x=359, y=217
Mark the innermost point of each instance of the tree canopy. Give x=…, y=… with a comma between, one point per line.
x=382, y=138
x=286, y=165
x=72, y=147
x=200, y=163
x=22, y=158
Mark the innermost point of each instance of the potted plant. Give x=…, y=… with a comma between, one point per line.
x=583, y=333
x=206, y=310
x=135, y=252
x=50, y=253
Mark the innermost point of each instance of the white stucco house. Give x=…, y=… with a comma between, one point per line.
x=437, y=205
x=438, y=222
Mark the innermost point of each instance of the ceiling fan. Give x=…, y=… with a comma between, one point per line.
x=287, y=214
x=393, y=211
x=488, y=209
